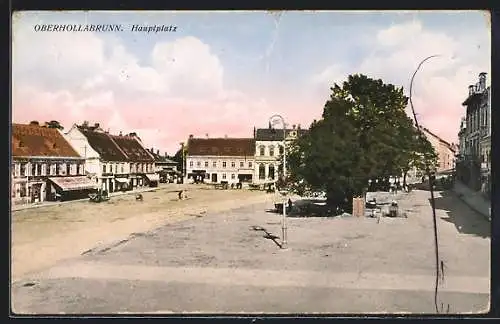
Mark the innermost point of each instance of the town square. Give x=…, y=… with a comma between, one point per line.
x=188, y=172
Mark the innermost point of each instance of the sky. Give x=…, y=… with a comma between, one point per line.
x=222, y=73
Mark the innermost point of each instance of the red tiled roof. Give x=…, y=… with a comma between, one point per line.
x=132, y=148
x=34, y=140
x=104, y=145
x=221, y=146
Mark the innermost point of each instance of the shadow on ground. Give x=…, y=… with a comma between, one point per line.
x=465, y=219
x=267, y=235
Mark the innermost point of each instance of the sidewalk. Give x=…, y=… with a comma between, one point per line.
x=170, y=187
x=474, y=199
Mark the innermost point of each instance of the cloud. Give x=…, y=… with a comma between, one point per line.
x=79, y=76
x=439, y=87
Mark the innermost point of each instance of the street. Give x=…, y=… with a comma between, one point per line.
x=229, y=262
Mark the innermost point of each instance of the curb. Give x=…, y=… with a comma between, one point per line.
x=471, y=206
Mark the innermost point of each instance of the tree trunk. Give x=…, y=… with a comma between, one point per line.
x=404, y=178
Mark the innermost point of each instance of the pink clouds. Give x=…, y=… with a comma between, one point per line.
x=182, y=90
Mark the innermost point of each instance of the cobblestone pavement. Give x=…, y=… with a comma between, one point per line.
x=230, y=262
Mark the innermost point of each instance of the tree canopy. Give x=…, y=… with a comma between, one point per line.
x=364, y=134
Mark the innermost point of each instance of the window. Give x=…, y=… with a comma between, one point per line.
x=116, y=168
x=250, y=164
x=58, y=167
x=104, y=168
x=233, y=176
x=233, y=164
x=262, y=172
x=224, y=164
x=198, y=164
x=81, y=169
x=33, y=169
x=68, y=169
x=214, y=164
x=44, y=169
x=261, y=150
x=191, y=164
x=242, y=164
x=207, y=175
x=123, y=168
x=281, y=149
x=271, y=172
x=206, y=164
x=271, y=151
x=223, y=176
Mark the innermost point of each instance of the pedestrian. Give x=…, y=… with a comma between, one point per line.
x=181, y=196
x=290, y=204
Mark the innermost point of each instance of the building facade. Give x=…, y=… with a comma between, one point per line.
x=475, y=162
x=45, y=167
x=106, y=158
x=220, y=160
x=445, y=151
x=141, y=161
x=269, y=149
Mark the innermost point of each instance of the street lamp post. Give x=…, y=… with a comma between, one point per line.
x=182, y=161
x=284, y=241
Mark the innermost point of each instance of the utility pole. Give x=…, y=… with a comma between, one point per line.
x=284, y=239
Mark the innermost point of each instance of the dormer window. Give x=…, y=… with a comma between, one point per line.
x=54, y=146
x=21, y=144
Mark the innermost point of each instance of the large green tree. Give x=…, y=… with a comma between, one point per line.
x=364, y=134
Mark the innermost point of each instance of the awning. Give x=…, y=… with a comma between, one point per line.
x=74, y=183
x=153, y=177
x=122, y=180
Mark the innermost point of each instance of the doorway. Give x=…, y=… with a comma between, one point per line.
x=214, y=177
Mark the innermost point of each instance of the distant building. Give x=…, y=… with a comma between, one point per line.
x=220, y=160
x=166, y=168
x=45, y=166
x=269, y=151
x=445, y=151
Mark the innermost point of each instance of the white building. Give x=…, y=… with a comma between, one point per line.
x=220, y=160
x=269, y=151
x=45, y=166
x=113, y=162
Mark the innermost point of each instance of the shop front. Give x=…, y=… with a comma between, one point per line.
x=122, y=183
x=70, y=188
x=152, y=179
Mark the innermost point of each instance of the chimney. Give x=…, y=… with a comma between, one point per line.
x=298, y=126
x=96, y=125
x=206, y=135
x=482, y=81
x=157, y=152
x=34, y=123
x=165, y=154
x=85, y=123
x=294, y=126
x=225, y=136
x=191, y=136
x=120, y=133
x=254, y=132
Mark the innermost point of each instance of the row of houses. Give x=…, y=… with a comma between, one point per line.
x=49, y=164
x=256, y=159
x=474, y=156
